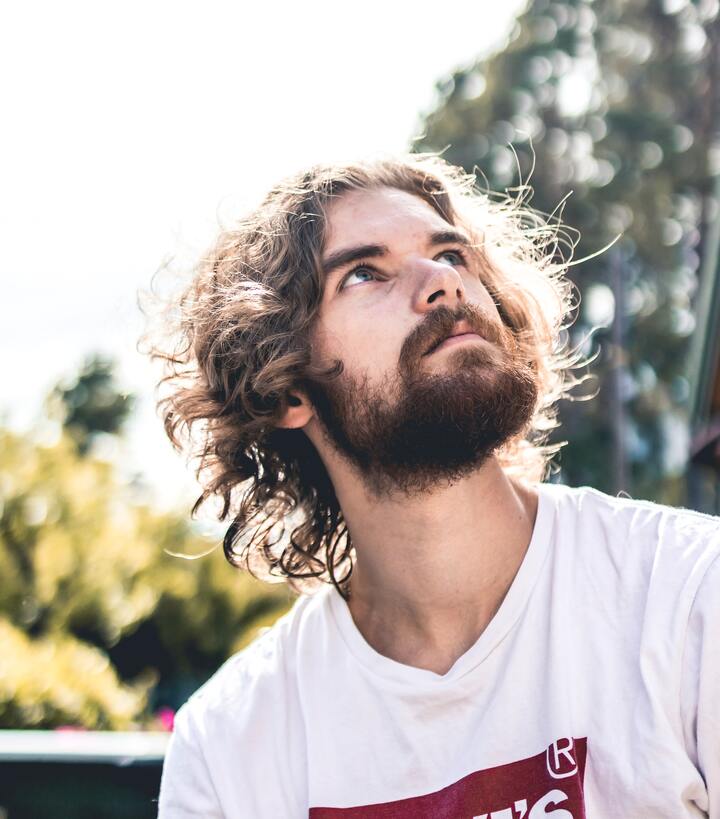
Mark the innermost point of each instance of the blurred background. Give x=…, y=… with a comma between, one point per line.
x=133, y=130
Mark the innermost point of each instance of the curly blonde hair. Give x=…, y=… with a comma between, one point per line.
x=236, y=341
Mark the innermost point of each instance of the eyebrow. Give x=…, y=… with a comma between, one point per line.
x=341, y=258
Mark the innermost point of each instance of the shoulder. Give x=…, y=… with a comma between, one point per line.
x=259, y=670
x=635, y=552
x=628, y=524
x=257, y=682
x=244, y=719
x=587, y=500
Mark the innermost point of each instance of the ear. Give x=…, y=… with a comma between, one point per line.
x=298, y=411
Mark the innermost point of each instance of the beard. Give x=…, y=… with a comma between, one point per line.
x=418, y=429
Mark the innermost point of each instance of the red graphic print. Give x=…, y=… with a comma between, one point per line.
x=547, y=785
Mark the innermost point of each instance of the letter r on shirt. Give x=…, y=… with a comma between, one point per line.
x=561, y=758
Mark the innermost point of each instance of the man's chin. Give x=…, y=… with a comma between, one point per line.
x=444, y=425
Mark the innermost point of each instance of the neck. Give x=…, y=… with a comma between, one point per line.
x=432, y=571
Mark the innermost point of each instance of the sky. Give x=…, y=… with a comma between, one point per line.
x=132, y=128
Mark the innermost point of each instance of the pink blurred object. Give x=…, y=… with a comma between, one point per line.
x=69, y=729
x=166, y=718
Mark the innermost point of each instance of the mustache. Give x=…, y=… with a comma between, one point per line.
x=439, y=324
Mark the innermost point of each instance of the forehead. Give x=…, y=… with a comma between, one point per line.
x=376, y=216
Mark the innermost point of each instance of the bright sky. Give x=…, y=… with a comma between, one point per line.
x=129, y=127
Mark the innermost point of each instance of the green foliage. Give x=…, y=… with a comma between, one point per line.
x=613, y=101
x=59, y=680
x=92, y=403
x=99, y=623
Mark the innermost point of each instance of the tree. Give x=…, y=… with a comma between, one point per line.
x=92, y=403
x=614, y=101
x=101, y=624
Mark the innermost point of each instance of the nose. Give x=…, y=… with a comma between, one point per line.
x=436, y=284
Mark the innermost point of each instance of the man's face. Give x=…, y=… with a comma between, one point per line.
x=431, y=383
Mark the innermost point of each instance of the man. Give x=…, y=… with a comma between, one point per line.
x=374, y=358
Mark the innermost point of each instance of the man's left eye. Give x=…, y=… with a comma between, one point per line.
x=453, y=257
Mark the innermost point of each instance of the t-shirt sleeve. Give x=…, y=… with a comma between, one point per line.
x=701, y=685
x=186, y=788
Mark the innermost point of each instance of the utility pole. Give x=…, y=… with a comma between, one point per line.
x=617, y=403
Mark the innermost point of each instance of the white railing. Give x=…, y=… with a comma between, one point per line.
x=108, y=747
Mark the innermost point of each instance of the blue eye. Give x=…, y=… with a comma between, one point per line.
x=359, y=272
x=457, y=257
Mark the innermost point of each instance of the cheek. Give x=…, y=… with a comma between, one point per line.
x=365, y=344
x=481, y=295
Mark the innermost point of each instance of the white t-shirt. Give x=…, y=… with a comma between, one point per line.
x=594, y=691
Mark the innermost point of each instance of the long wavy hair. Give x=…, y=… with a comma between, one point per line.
x=235, y=341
